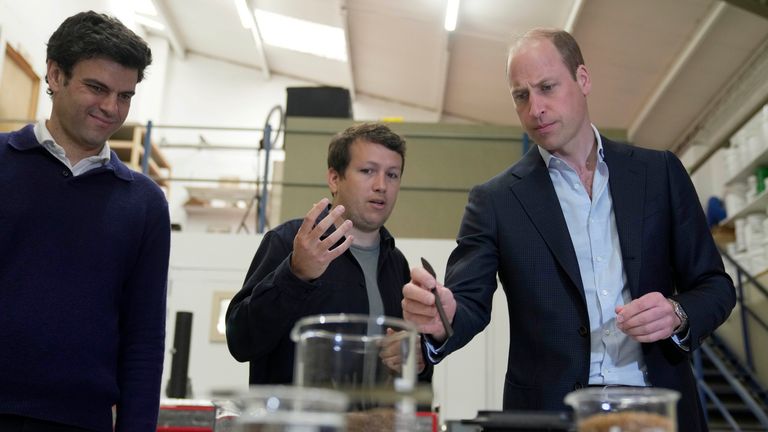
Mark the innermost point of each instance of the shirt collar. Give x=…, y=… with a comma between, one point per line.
x=27, y=139
x=46, y=140
x=547, y=156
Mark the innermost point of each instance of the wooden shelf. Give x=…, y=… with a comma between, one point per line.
x=218, y=201
x=128, y=144
x=229, y=194
x=199, y=210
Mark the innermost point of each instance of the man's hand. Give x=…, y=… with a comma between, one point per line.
x=419, y=303
x=391, y=352
x=647, y=319
x=311, y=254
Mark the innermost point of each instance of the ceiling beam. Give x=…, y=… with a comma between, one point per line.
x=442, y=79
x=171, y=29
x=757, y=7
x=744, y=95
x=674, y=71
x=344, y=12
x=573, y=15
x=258, y=41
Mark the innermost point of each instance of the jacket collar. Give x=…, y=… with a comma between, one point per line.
x=533, y=188
x=531, y=185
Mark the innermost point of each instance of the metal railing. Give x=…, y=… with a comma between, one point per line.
x=746, y=312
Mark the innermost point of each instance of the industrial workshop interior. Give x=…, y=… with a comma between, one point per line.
x=232, y=121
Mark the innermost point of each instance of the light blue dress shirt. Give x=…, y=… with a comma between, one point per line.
x=615, y=357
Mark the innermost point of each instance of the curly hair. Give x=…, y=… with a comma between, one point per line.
x=89, y=35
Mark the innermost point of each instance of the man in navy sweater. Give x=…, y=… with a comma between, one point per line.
x=85, y=247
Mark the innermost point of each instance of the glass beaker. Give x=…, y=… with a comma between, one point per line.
x=624, y=409
x=291, y=409
x=371, y=359
x=227, y=412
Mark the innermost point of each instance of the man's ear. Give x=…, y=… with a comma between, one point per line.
x=583, y=80
x=333, y=180
x=55, y=76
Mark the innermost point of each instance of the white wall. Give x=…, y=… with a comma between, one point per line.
x=27, y=25
x=709, y=179
x=469, y=380
x=202, y=264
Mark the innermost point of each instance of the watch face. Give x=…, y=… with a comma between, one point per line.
x=681, y=315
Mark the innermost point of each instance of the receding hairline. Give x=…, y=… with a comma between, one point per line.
x=532, y=35
x=549, y=34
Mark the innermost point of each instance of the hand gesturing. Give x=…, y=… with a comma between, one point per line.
x=311, y=253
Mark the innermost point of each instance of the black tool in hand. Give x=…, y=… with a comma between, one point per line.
x=438, y=303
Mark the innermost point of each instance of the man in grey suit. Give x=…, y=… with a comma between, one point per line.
x=609, y=269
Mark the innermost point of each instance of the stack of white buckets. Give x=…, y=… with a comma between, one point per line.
x=750, y=143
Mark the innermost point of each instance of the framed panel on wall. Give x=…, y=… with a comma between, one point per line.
x=19, y=89
x=218, y=311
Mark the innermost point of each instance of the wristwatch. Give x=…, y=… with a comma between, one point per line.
x=680, y=314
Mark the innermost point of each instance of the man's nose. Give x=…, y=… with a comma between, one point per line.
x=109, y=104
x=380, y=183
x=535, y=106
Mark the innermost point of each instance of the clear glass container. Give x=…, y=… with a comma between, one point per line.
x=624, y=409
x=373, y=360
x=291, y=409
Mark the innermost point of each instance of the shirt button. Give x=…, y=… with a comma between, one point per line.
x=599, y=259
x=605, y=292
x=607, y=332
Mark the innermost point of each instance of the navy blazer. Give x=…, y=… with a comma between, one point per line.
x=513, y=226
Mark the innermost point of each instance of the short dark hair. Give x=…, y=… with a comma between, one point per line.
x=563, y=41
x=378, y=133
x=89, y=35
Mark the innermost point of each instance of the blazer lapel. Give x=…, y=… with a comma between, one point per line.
x=626, y=179
x=538, y=199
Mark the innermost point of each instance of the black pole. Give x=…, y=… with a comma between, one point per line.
x=177, y=384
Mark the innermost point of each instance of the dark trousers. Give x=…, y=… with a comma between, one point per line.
x=14, y=423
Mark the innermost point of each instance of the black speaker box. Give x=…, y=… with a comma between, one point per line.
x=333, y=102
x=177, y=383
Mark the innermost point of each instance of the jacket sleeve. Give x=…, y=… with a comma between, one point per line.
x=142, y=325
x=704, y=289
x=268, y=305
x=471, y=273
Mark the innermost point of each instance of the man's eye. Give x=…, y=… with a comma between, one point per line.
x=520, y=97
x=394, y=175
x=547, y=87
x=95, y=88
x=366, y=170
x=126, y=97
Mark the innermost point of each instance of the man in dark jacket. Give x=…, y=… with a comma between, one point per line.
x=609, y=269
x=338, y=259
